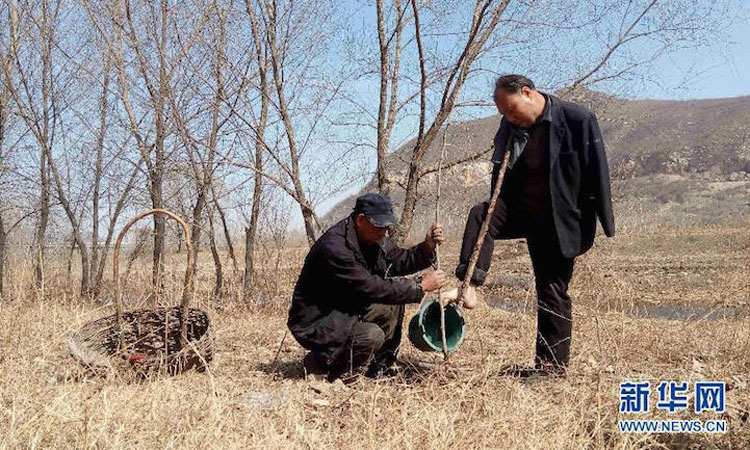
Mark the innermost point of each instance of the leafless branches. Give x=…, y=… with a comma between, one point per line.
x=236, y=113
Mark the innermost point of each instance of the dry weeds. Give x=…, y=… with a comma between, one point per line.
x=245, y=401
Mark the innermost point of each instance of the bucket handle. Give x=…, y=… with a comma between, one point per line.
x=186, y=290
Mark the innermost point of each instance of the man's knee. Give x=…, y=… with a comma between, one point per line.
x=477, y=212
x=384, y=316
x=367, y=338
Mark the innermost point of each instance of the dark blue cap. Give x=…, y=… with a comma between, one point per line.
x=377, y=208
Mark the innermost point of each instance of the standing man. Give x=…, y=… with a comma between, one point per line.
x=347, y=308
x=556, y=185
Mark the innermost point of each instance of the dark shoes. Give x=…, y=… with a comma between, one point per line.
x=315, y=368
x=378, y=370
x=525, y=372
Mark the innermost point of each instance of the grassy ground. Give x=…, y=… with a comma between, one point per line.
x=247, y=400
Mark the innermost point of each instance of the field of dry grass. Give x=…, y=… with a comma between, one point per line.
x=246, y=400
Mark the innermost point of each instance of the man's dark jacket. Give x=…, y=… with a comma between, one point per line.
x=337, y=283
x=578, y=175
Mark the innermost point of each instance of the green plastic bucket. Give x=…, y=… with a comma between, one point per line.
x=424, y=328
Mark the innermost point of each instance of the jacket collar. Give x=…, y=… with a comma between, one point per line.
x=350, y=235
x=547, y=112
x=351, y=240
x=557, y=128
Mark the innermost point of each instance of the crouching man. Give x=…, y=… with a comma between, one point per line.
x=347, y=307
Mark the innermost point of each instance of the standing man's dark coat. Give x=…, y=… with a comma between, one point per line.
x=578, y=178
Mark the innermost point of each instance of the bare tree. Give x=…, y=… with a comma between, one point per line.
x=114, y=174
x=486, y=15
x=629, y=36
x=43, y=127
x=98, y=165
x=201, y=98
x=6, y=59
x=251, y=231
x=202, y=151
x=269, y=11
x=37, y=111
x=129, y=29
x=390, y=49
x=43, y=116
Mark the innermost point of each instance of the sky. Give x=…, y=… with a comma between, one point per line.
x=725, y=68
x=719, y=69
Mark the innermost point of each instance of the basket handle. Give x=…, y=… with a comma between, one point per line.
x=187, y=288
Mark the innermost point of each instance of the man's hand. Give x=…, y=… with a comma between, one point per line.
x=433, y=281
x=434, y=236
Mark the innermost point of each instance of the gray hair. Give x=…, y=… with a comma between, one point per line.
x=512, y=83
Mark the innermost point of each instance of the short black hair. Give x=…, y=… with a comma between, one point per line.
x=512, y=83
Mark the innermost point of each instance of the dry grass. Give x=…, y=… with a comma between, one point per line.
x=245, y=401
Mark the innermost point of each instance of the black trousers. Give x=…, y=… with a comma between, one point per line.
x=552, y=272
x=375, y=338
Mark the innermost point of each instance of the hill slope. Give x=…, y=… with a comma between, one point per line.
x=659, y=151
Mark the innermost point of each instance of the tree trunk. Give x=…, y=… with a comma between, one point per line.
x=247, y=285
x=227, y=235
x=251, y=231
x=308, y=215
x=160, y=228
x=85, y=271
x=388, y=107
x=219, y=280
x=41, y=229
x=70, y=258
x=180, y=241
x=414, y=177
x=2, y=256
x=197, y=228
x=95, y=254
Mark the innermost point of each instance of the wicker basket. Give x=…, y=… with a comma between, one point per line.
x=147, y=340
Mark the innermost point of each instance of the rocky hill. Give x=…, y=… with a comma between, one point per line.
x=660, y=152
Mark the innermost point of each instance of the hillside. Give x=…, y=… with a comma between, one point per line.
x=692, y=155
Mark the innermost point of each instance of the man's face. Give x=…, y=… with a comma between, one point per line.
x=518, y=107
x=367, y=233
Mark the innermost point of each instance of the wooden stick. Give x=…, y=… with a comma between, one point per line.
x=486, y=222
x=437, y=247
x=276, y=358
